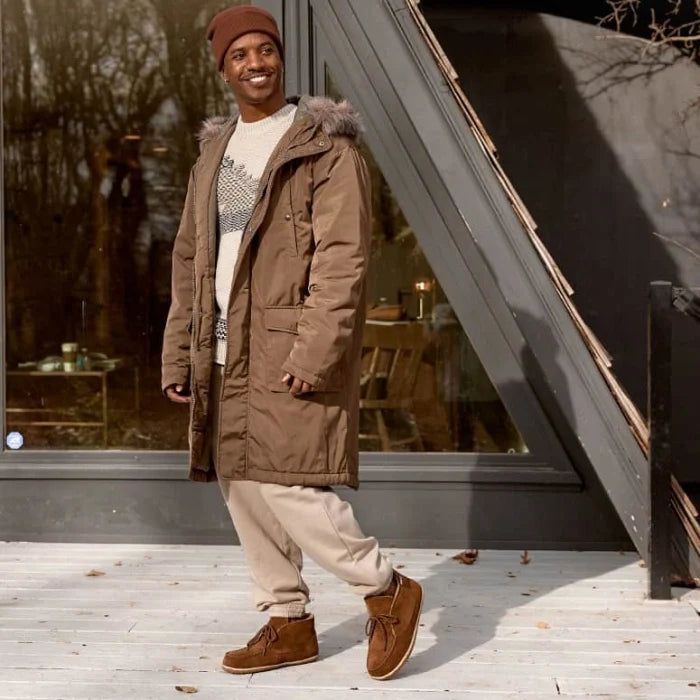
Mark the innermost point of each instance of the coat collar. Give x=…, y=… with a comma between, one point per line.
x=313, y=114
x=317, y=113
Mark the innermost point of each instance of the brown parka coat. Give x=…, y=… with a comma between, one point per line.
x=297, y=305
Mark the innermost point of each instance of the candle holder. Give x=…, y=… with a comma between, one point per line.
x=422, y=287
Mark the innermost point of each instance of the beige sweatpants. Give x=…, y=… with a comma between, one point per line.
x=276, y=523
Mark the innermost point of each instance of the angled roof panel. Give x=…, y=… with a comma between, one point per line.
x=476, y=237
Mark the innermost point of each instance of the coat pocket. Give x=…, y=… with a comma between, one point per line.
x=281, y=333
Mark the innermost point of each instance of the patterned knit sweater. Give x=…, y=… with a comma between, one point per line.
x=242, y=166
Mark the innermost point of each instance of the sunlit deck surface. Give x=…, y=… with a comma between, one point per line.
x=151, y=618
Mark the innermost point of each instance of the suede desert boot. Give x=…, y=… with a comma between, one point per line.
x=281, y=642
x=392, y=626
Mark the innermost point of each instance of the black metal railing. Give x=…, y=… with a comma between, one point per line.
x=664, y=526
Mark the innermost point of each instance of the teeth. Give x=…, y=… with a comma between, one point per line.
x=258, y=79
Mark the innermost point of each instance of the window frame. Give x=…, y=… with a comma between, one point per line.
x=538, y=468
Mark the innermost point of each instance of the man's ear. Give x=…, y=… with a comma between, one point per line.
x=222, y=73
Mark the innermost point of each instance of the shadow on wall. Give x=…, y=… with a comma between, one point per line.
x=599, y=171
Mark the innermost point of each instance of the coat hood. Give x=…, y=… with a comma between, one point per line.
x=334, y=119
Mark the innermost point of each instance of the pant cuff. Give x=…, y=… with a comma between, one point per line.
x=367, y=591
x=287, y=610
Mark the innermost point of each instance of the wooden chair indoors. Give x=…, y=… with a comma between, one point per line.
x=391, y=360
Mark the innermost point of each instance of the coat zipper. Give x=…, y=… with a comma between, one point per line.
x=272, y=170
x=268, y=177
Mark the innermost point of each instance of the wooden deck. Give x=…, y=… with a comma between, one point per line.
x=566, y=624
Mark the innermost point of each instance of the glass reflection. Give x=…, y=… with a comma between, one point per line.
x=423, y=385
x=101, y=103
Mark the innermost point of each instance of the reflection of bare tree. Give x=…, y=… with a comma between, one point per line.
x=92, y=89
x=192, y=82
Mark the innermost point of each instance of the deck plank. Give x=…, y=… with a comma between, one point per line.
x=566, y=625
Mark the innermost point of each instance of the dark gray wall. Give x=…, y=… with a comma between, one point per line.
x=594, y=178
x=400, y=513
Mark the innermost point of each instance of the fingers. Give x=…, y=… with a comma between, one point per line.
x=297, y=386
x=174, y=393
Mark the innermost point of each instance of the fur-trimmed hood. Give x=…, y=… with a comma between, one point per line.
x=334, y=118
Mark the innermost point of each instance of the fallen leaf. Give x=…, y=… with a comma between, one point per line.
x=186, y=688
x=95, y=572
x=174, y=583
x=117, y=563
x=438, y=554
x=176, y=669
x=542, y=625
x=399, y=566
x=468, y=556
x=525, y=557
x=510, y=574
x=643, y=564
x=526, y=594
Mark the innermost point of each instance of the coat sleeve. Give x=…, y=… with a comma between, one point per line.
x=341, y=224
x=176, y=337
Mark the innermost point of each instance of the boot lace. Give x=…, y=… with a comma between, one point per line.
x=384, y=621
x=267, y=635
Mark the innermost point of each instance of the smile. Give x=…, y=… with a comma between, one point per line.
x=257, y=79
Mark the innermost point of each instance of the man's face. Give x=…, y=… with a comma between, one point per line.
x=253, y=67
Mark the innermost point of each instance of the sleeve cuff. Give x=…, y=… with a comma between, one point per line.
x=174, y=375
x=305, y=375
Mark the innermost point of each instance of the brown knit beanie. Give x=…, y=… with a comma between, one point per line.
x=228, y=25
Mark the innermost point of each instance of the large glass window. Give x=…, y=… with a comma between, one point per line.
x=101, y=103
x=101, y=99
x=424, y=388
x=436, y=394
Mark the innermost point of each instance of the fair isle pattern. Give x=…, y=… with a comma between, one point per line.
x=236, y=190
x=241, y=168
x=220, y=329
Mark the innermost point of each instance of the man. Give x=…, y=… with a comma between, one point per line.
x=263, y=339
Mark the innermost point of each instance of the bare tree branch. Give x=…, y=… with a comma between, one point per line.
x=682, y=246
x=670, y=27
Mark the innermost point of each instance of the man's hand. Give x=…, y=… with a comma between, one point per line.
x=177, y=393
x=297, y=386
